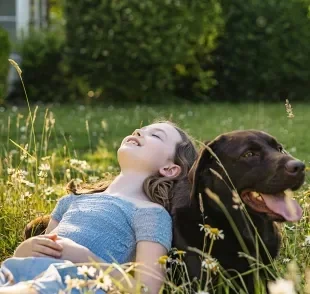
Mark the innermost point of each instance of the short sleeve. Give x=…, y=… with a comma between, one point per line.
x=61, y=207
x=153, y=224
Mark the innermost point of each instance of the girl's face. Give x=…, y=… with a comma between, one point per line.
x=149, y=149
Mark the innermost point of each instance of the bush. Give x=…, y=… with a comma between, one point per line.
x=4, y=63
x=44, y=73
x=265, y=51
x=141, y=50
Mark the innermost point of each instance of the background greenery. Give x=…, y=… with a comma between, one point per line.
x=159, y=51
x=4, y=65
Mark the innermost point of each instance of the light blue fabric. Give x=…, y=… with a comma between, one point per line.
x=109, y=226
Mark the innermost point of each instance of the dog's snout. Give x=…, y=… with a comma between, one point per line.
x=294, y=166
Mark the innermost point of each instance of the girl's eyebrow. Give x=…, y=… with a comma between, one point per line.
x=156, y=129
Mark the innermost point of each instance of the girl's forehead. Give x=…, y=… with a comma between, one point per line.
x=170, y=130
x=163, y=126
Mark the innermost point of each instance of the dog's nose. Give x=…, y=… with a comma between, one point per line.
x=294, y=166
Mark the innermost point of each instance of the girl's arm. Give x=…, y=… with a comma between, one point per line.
x=51, y=225
x=150, y=272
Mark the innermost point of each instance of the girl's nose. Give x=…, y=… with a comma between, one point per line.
x=137, y=132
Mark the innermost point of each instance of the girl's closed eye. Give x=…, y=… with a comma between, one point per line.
x=154, y=135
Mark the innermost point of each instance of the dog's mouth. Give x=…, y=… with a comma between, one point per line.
x=279, y=207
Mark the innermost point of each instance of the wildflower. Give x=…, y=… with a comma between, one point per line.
x=28, y=184
x=86, y=271
x=103, y=281
x=42, y=174
x=163, y=259
x=307, y=241
x=44, y=167
x=25, y=195
x=82, y=164
x=210, y=263
x=10, y=171
x=23, y=156
x=202, y=292
x=286, y=260
x=180, y=253
x=19, y=175
x=73, y=283
x=49, y=191
x=289, y=109
x=204, y=227
x=281, y=286
x=213, y=233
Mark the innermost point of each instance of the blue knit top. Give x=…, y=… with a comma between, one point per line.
x=111, y=226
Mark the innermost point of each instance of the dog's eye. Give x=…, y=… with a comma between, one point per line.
x=281, y=149
x=248, y=154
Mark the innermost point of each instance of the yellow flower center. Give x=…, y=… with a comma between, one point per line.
x=163, y=259
x=214, y=231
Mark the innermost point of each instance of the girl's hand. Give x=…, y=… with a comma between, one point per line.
x=72, y=251
x=39, y=246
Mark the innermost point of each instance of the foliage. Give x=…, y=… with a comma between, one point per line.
x=265, y=51
x=4, y=64
x=44, y=71
x=142, y=50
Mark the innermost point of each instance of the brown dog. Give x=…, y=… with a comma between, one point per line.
x=260, y=171
x=36, y=227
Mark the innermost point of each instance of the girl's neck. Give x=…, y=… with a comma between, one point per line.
x=128, y=184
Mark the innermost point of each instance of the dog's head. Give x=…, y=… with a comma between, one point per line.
x=258, y=167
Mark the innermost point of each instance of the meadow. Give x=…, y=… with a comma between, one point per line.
x=43, y=149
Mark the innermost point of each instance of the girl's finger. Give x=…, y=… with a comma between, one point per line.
x=46, y=251
x=50, y=243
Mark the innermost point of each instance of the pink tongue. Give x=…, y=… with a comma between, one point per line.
x=283, y=205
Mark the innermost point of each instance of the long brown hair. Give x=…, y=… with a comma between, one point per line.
x=159, y=189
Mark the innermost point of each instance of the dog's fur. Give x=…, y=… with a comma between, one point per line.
x=265, y=172
x=36, y=227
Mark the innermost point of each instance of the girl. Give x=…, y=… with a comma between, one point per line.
x=125, y=221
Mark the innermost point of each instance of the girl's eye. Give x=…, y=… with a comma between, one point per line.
x=154, y=135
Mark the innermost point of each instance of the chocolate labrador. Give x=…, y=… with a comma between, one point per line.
x=260, y=170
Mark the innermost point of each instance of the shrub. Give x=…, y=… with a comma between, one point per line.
x=44, y=72
x=141, y=50
x=4, y=64
x=265, y=51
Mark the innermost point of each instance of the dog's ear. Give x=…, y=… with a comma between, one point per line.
x=201, y=164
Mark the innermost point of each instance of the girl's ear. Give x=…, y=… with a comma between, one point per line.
x=170, y=171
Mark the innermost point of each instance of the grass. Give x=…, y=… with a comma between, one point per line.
x=91, y=135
